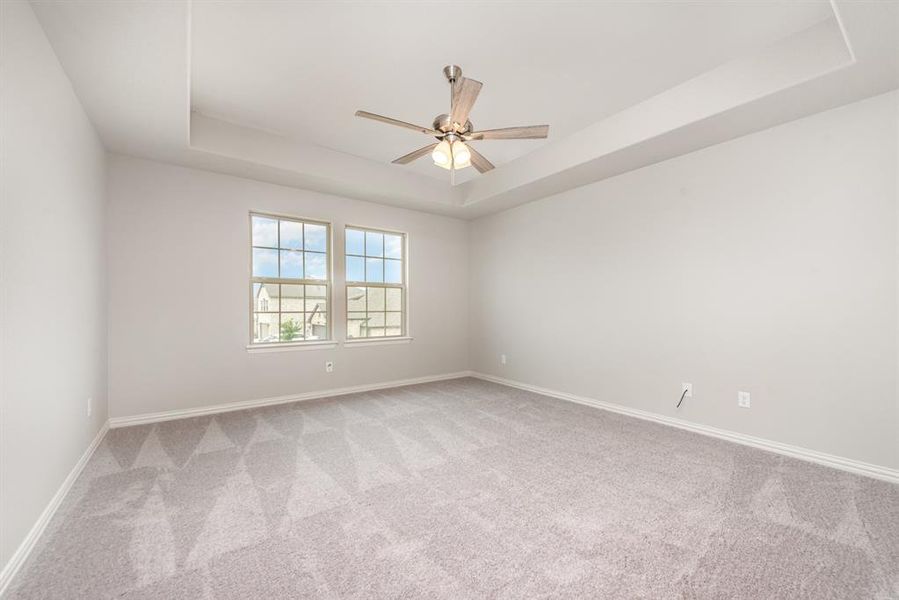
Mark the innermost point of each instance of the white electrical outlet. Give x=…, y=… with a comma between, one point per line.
x=90, y=406
x=743, y=399
x=687, y=387
x=329, y=366
x=502, y=359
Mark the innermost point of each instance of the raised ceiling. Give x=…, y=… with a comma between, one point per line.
x=302, y=69
x=268, y=89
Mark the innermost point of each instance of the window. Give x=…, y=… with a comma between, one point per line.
x=375, y=283
x=290, y=285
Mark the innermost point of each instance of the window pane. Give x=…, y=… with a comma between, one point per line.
x=376, y=320
x=265, y=232
x=316, y=237
x=291, y=326
x=374, y=269
x=291, y=264
x=394, y=319
x=355, y=324
x=265, y=328
x=315, y=266
x=355, y=298
x=319, y=293
x=394, y=331
x=265, y=297
x=393, y=273
x=393, y=246
x=292, y=298
x=394, y=299
x=265, y=263
x=375, y=324
x=375, y=299
x=355, y=268
x=316, y=304
x=292, y=235
x=374, y=244
x=355, y=242
x=317, y=326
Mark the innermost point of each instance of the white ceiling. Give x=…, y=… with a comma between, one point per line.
x=274, y=85
x=302, y=69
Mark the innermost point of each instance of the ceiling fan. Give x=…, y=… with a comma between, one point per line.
x=453, y=130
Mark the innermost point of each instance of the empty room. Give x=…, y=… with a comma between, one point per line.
x=449, y=299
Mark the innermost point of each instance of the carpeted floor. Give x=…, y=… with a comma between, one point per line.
x=458, y=489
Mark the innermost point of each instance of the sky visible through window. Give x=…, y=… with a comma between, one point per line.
x=288, y=249
x=374, y=257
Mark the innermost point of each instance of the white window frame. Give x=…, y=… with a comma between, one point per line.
x=327, y=283
x=403, y=287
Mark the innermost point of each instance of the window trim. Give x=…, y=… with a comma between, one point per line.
x=289, y=346
x=377, y=341
x=405, y=333
x=327, y=282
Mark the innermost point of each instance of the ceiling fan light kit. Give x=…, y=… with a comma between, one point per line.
x=454, y=130
x=451, y=153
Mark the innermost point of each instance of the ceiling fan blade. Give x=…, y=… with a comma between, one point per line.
x=531, y=132
x=405, y=160
x=479, y=162
x=367, y=115
x=464, y=95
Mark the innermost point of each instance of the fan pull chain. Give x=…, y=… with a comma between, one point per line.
x=452, y=154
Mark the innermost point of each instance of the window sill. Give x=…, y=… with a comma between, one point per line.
x=290, y=347
x=377, y=341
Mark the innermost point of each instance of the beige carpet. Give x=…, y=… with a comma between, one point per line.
x=459, y=489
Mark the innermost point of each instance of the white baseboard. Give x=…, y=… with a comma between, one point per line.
x=829, y=460
x=21, y=554
x=171, y=415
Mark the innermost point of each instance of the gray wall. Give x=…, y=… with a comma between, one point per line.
x=179, y=299
x=52, y=287
x=766, y=264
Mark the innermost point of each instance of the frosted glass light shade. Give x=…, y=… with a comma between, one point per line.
x=453, y=155
x=441, y=155
x=461, y=155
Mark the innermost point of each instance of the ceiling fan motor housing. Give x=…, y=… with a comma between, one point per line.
x=444, y=124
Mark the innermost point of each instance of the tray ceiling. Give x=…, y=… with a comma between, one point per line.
x=267, y=90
